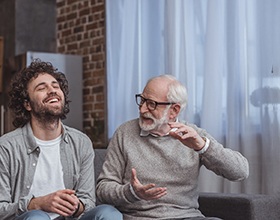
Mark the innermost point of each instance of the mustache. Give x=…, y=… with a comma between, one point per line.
x=147, y=115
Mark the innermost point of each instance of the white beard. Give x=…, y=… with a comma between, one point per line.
x=157, y=123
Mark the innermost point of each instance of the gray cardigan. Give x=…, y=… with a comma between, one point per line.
x=18, y=158
x=166, y=162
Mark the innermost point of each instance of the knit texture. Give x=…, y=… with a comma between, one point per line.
x=166, y=162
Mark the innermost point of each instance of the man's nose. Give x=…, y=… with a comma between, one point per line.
x=51, y=90
x=143, y=108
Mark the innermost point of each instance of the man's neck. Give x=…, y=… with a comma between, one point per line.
x=46, y=131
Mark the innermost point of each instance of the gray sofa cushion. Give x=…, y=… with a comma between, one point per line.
x=240, y=206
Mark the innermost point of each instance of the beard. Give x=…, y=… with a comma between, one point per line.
x=47, y=114
x=156, y=123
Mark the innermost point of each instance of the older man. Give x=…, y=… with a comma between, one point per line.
x=152, y=165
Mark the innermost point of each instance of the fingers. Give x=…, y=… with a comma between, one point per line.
x=187, y=135
x=148, y=191
x=155, y=193
x=181, y=129
x=133, y=175
x=69, y=200
x=62, y=202
x=69, y=203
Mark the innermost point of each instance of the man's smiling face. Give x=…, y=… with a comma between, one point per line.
x=46, y=98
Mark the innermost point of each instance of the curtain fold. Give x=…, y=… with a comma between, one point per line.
x=227, y=53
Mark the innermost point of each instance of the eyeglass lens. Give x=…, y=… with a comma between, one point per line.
x=150, y=103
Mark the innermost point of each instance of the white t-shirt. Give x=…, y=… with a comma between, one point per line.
x=48, y=176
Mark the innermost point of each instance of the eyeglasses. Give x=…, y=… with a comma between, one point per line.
x=151, y=104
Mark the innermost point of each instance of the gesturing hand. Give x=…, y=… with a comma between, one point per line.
x=63, y=202
x=146, y=192
x=187, y=135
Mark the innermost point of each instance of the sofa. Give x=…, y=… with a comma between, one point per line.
x=225, y=205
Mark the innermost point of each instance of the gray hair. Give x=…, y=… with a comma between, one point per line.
x=177, y=92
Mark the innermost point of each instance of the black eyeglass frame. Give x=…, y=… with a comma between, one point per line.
x=143, y=100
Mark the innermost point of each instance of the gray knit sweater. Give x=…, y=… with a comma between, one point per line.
x=166, y=162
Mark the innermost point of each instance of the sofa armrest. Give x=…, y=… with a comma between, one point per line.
x=240, y=206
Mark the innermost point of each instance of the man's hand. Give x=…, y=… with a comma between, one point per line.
x=146, y=192
x=187, y=135
x=63, y=202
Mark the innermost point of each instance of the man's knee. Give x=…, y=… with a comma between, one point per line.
x=103, y=212
x=34, y=215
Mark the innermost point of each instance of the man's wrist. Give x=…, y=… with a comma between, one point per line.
x=33, y=204
x=205, y=147
x=133, y=192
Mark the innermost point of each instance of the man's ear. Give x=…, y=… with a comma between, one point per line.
x=174, y=110
x=27, y=105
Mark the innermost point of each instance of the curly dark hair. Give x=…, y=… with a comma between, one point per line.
x=18, y=90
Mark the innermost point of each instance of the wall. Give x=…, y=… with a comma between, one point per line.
x=63, y=26
x=81, y=31
x=28, y=25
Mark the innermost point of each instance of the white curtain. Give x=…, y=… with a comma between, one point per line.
x=135, y=52
x=227, y=53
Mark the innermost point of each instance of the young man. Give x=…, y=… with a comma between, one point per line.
x=152, y=165
x=46, y=168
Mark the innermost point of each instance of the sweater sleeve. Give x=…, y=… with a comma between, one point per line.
x=112, y=186
x=225, y=162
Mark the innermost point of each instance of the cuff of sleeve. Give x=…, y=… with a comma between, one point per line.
x=133, y=192
x=23, y=204
x=206, y=146
x=128, y=194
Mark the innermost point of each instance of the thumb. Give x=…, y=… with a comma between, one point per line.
x=133, y=177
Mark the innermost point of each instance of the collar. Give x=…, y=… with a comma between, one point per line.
x=32, y=145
